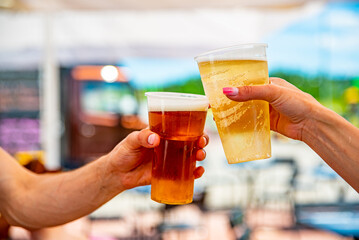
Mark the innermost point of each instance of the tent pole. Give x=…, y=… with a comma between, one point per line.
x=50, y=110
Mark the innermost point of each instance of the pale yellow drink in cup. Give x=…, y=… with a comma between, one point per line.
x=243, y=127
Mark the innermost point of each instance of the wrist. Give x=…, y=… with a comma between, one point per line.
x=323, y=123
x=317, y=119
x=109, y=176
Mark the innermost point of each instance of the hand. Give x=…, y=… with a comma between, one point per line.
x=132, y=158
x=290, y=108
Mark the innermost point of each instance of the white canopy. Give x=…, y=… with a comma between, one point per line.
x=109, y=35
x=50, y=5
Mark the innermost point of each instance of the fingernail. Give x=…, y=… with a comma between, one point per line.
x=151, y=139
x=205, y=141
x=230, y=91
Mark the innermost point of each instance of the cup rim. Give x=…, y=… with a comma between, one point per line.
x=176, y=95
x=229, y=48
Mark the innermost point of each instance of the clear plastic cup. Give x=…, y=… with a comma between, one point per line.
x=179, y=120
x=243, y=127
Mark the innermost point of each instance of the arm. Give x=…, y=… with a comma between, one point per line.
x=298, y=115
x=336, y=141
x=35, y=201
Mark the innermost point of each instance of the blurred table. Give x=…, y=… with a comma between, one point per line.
x=342, y=219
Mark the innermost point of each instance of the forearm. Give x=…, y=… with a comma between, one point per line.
x=53, y=199
x=337, y=142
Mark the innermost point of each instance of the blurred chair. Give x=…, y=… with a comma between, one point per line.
x=272, y=186
x=282, y=188
x=325, y=175
x=179, y=219
x=240, y=228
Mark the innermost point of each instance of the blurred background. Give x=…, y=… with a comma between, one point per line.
x=72, y=81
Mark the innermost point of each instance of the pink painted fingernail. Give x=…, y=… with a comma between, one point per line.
x=151, y=139
x=230, y=91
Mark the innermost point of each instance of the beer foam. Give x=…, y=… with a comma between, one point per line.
x=252, y=51
x=167, y=101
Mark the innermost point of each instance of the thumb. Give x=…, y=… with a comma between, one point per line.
x=144, y=138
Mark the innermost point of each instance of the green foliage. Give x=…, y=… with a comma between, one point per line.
x=355, y=82
x=190, y=86
x=328, y=91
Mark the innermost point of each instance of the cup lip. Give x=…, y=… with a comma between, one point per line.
x=176, y=95
x=229, y=48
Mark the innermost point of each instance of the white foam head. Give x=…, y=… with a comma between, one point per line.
x=170, y=101
x=250, y=51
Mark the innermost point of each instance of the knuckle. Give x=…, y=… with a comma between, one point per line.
x=273, y=93
x=135, y=135
x=247, y=90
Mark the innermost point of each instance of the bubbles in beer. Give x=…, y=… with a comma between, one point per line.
x=243, y=126
x=179, y=120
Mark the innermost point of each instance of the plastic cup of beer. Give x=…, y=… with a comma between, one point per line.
x=179, y=119
x=243, y=127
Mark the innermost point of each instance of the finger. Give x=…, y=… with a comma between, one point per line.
x=140, y=175
x=145, y=173
x=203, y=141
x=144, y=138
x=198, y=172
x=268, y=92
x=200, y=155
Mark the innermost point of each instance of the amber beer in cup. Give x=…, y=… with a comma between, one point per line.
x=243, y=127
x=179, y=120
